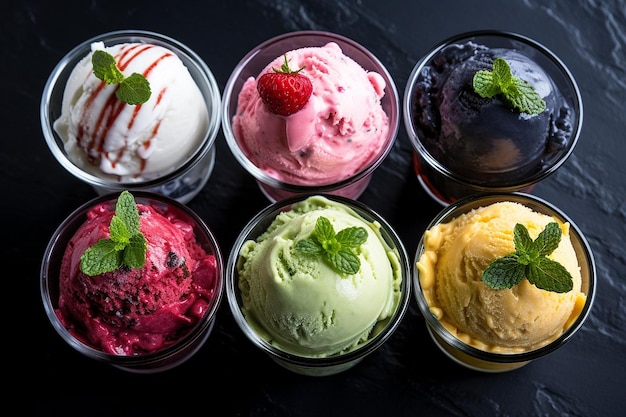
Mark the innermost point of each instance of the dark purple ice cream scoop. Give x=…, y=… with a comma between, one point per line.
x=485, y=139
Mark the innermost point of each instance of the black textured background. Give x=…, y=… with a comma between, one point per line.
x=408, y=376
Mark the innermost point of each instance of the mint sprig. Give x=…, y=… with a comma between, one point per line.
x=126, y=246
x=517, y=92
x=134, y=89
x=530, y=260
x=338, y=249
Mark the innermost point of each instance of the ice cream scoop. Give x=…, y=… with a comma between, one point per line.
x=133, y=142
x=145, y=312
x=296, y=304
x=163, y=145
x=133, y=311
x=303, y=304
x=335, y=141
x=342, y=128
x=521, y=318
x=485, y=139
x=512, y=322
x=466, y=142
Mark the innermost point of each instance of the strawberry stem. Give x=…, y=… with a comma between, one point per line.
x=284, y=68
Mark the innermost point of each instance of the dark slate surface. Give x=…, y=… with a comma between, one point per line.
x=409, y=376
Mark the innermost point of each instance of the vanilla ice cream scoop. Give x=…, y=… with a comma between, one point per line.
x=132, y=143
x=513, y=320
x=299, y=302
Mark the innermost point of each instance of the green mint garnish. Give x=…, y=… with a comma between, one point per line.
x=134, y=89
x=530, y=260
x=337, y=248
x=126, y=246
x=517, y=92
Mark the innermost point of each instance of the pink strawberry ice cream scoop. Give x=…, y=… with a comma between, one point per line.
x=339, y=132
x=137, y=311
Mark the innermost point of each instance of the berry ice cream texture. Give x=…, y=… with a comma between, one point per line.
x=134, y=311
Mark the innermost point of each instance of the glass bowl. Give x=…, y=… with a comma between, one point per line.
x=468, y=349
x=273, y=185
x=464, y=144
x=181, y=177
x=199, y=318
x=330, y=351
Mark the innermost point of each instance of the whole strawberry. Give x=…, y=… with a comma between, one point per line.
x=284, y=91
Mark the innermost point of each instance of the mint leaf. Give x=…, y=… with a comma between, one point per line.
x=126, y=210
x=526, y=99
x=516, y=92
x=548, y=239
x=135, y=252
x=505, y=272
x=324, y=230
x=309, y=246
x=502, y=75
x=550, y=275
x=352, y=237
x=338, y=248
x=485, y=85
x=105, y=67
x=530, y=260
x=119, y=233
x=345, y=261
x=521, y=239
x=101, y=257
x=132, y=90
x=125, y=246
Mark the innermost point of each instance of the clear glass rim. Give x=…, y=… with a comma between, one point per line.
x=260, y=222
x=418, y=146
x=229, y=108
x=583, y=253
x=74, y=220
x=207, y=82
